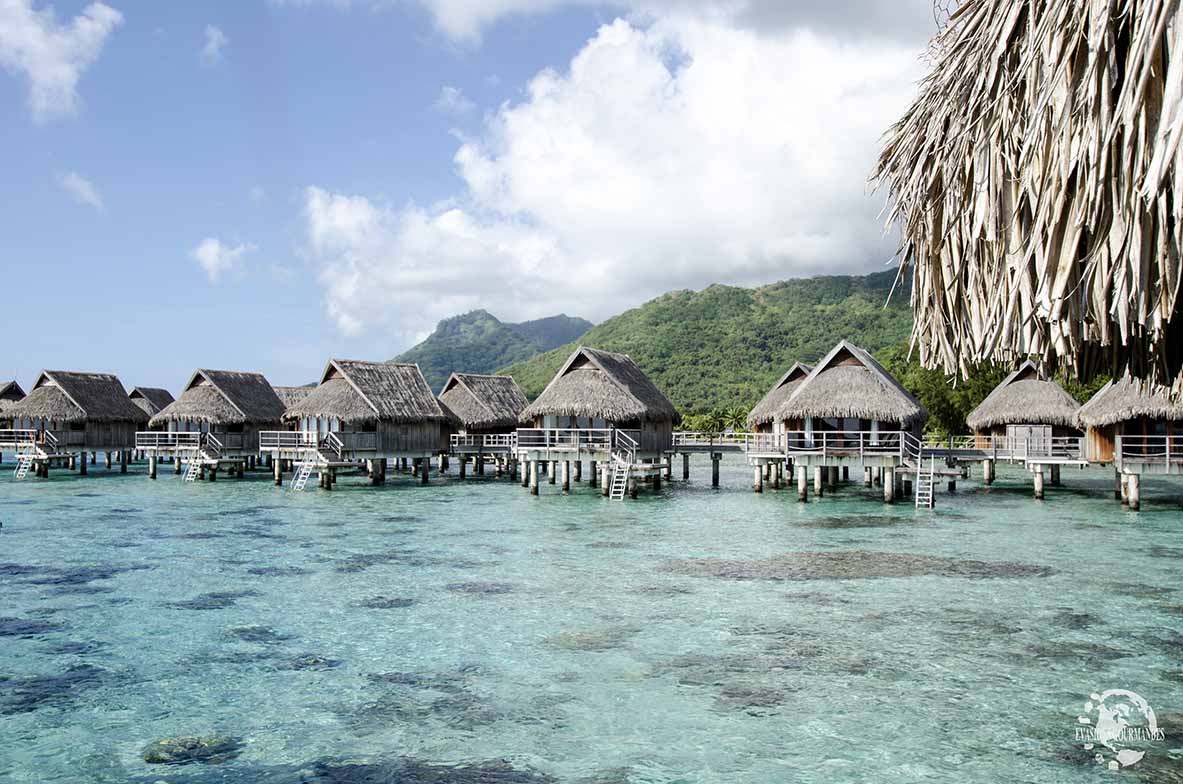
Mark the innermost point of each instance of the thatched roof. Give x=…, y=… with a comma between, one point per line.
x=482, y=401
x=1037, y=183
x=601, y=385
x=1025, y=398
x=224, y=397
x=292, y=395
x=67, y=397
x=849, y=382
x=151, y=399
x=1125, y=399
x=357, y=392
x=10, y=393
x=766, y=410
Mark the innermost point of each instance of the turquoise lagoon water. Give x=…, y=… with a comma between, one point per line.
x=469, y=632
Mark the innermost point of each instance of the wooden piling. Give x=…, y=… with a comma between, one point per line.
x=1055, y=476
x=277, y=470
x=802, y=483
x=867, y=476
x=685, y=465
x=424, y=470
x=534, y=477
x=818, y=485
x=1038, y=477
x=715, y=458
x=566, y=468
x=152, y=466
x=1134, y=491
x=888, y=474
x=123, y=456
x=988, y=472
x=578, y=470
x=605, y=478
x=758, y=479
x=82, y=464
x=552, y=472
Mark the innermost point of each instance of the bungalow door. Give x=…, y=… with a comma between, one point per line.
x=1033, y=440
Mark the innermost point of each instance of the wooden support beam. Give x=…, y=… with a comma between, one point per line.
x=802, y=483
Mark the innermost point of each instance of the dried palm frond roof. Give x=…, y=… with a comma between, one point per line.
x=480, y=402
x=292, y=395
x=1025, y=398
x=601, y=385
x=11, y=390
x=358, y=392
x=766, y=410
x=1128, y=398
x=1037, y=182
x=151, y=399
x=64, y=396
x=849, y=382
x=224, y=397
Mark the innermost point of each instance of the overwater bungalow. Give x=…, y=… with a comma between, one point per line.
x=152, y=400
x=486, y=410
x=848, y=411
x=766, y=417
x=1028, y=417
x=362, y=411
x=68, y=415
x=215, y=422
x=1136, y=427
x=601, y=407
x=10, y=392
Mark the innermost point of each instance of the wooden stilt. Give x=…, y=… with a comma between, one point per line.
x=715, y=458
x=593, y=478
x=1038, y=476
x=1134, y=491
x=1055, y=476
x=424, y=470
x=818, y=484
x=802, y=483
x=566, y=469
x=888, y=485
x=277, y=471
x=657, y=478
x=534, y=466
x=552, y=471
x=82, y=464
x=123, y=455
x=685, y=466
x=605, y=478
x=1117, y=485
x=758, y=479
x=152, y=466
x=867, y=481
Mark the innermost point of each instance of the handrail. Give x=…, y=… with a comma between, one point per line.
x=333, y=443
x=577, y=438
x=18, y=436
x=163, y=439
x=300, y=440
x=484, y=440
x=49, y=439
x=626, y=445
x=1151, y=449
x=211, y=443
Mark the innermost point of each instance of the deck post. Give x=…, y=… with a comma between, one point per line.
x=802, y=484
x=818, y=485
x=424, y=469
x=578, y=470
x=534, y=466
x=1055, y=476
x=776, y=476
x=123, y=455
x=685, y=465
x=1038, y=475
x=988, y=472
x=177, y=464
x=463, y=466
x=888, y=484
x=277, y=470
x=605, y=478
x=152, y=466
x=715, y=458
x=867, y=476
x=593, y=479
x=758, y=479
x=566, y=468
x=526, y=473
x=552, y=471
x=1134, y=491
x=82, y=465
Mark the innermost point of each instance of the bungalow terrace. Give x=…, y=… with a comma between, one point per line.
x=361, y=411
x=67, y=415
x=1138, y=428
x=1028, y=417
x=486, y=410
x=601, y=407
x=216, y=421
x=848, y=410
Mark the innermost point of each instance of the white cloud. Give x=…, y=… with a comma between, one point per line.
x=81, y=189
x=452, y=100
x=674, y=155
x=51, y=56
x=215, y=43
x=216, y=258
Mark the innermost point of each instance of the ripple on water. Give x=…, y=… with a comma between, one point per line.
x=214, y=600
x=481, y=588
x=851, y=565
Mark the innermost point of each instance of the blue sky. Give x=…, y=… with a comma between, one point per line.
x=260, y=185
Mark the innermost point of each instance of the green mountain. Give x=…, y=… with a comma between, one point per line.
x=724, y=347
x=478, y=342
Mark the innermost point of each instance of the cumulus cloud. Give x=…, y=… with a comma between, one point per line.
x=215, y=44
x=81, y=189
x=52, y=56
x=677, y=154
x=452, y=100
x=217, y=258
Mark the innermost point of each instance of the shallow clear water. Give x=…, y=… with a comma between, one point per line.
x=385, y=632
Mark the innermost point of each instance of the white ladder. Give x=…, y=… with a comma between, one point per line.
x=620, y=472
x=22, y=466
x=195, y=461
x=303, y=471
x=924, y=483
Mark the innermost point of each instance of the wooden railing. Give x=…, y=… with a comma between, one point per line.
x=289, y=439
x=592, y=439
x=18, y=437
x=302, y=440
x=484, y=441
x=158, y=439
x=1159, y=450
